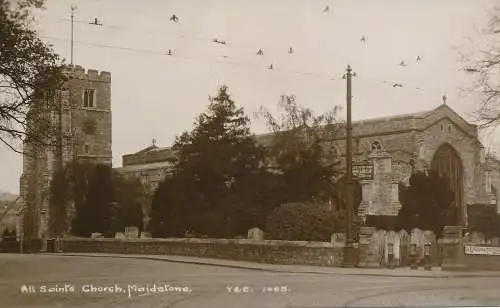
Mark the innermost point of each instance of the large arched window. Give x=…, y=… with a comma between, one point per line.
x=447, y=162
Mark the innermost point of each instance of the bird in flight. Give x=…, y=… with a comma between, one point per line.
x=471, y=70
x=327, y=8
x=169, y=53
x=363, y=39
x=402, y=63
x=270, y=67
x=219, y=42
x=260, y=52
x=174, y=18
x=397, y=85
x=95, y=22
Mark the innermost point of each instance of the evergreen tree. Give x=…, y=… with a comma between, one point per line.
x=427, y=204
x=94, y=196
x=209, y=191
x=129, y=194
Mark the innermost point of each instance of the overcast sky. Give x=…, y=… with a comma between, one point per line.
x=158, y=96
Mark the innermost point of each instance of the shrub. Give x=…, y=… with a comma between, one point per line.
x=303, y=222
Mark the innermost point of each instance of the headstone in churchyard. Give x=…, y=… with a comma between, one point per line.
x=477, y=238
x=468, y=237
x=403, y=247
x=389, y=240
x=417, y=237
x=96, y=235
x=131, y=232
x=338, y=239
x=119, y=235
x=145, y=235
x=256, y=234
x=379, y=245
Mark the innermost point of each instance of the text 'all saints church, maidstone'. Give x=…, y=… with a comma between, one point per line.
x=386, y=150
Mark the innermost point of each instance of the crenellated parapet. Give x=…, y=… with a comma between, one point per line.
x=79, y=72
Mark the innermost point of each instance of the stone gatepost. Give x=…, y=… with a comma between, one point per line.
x=368, y=252
x=453, y=250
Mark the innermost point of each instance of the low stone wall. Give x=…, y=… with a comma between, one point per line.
x=274, y=252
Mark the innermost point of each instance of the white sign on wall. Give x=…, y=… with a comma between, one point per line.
x=482, y=250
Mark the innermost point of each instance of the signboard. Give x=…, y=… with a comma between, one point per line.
x=363, y=172
x=482, y=250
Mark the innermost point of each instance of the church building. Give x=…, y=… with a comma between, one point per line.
x=385, y=152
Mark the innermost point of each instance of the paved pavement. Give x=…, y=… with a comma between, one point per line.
x=80, y=281
x=397, y=272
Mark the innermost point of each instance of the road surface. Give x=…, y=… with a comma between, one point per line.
x=69, y=281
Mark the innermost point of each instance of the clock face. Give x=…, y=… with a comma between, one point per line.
x=89, y=126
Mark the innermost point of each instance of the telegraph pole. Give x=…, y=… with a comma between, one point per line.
x=73, y=8
x=349, y=259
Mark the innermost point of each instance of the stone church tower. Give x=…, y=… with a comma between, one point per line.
x=83, y=126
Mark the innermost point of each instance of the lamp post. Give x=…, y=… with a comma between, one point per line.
x=349, y=259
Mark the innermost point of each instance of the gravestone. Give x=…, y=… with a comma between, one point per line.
x=417, y=238
x=477, y=238
x=379, y=245
x=404, y=244
x=390, y=238
x=145, y=235
x=96, y=235
x=338, y=239
x=255, y=234
x=131, y=232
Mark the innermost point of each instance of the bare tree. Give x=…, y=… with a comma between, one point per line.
x=297, y=128
x=302, y=148
x=484, y=62
x=31, y=75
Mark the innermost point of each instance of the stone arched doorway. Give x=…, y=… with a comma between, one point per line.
x=447, y=161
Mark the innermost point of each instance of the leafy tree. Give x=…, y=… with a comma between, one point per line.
x=427, y=203
x=30, y=76
x=484, y=219
x=302, y=150
x=310, y=221
x=209, y=191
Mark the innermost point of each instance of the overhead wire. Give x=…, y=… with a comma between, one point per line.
x=206, y=40
x=176, y=55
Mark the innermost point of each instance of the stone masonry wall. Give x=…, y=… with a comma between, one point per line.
x=274, y=252
x=444, y=131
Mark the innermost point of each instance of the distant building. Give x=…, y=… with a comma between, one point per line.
x=8, y=217
x=151, y=165
x=84, y=128
x=385, y=153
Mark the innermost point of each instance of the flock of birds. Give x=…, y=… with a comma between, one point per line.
x=175, y=19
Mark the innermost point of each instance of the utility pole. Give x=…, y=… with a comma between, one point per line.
x=349, y=259
x=73, y=8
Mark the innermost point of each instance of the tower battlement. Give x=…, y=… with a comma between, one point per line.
x=79, y=72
